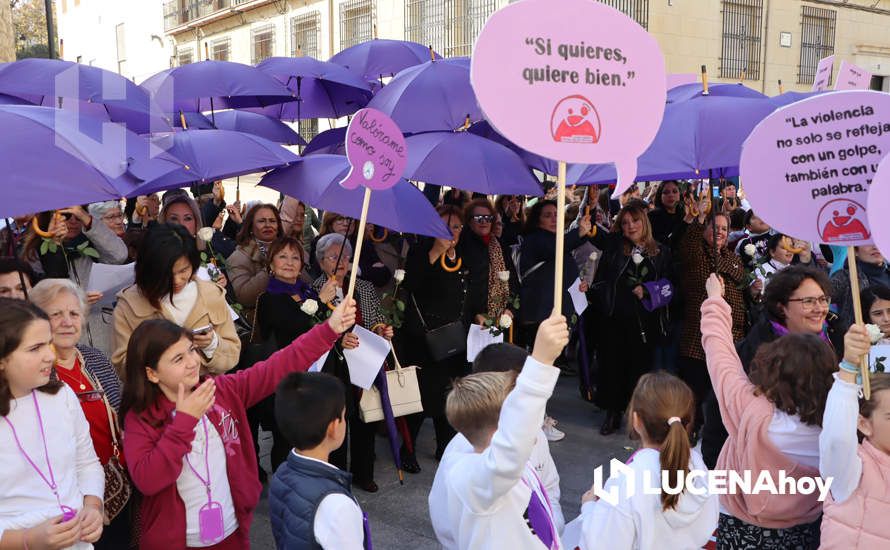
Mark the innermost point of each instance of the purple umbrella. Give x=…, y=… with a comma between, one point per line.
x=316, y=181
x=434, y=96
x=542, y=164
x=258, y=125
x=43, y=81
x=685, y=92
x=214, y=155
x=788, y=98
x=375, y=59
x=214, y=85
x=469, y=162
x=329, y=142
x=694, y=137
x=53, y=158
x=192, y=121
x=389, y=420
x=321, y=89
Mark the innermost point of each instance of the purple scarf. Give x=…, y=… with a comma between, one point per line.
x=300, y=288
x=780, y=331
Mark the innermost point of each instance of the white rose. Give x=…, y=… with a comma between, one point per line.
x=504, y=276
x=875, y=333
x=750, y=250
x=309, y=307
x=637, y=258
x=399, y=275
x=594, y=256
x=505, y=321
x=205, y=234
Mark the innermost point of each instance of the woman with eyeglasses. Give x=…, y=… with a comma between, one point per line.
x=112, y=216
x=247, y=265
x=371, y=267
x=51, y=483
x=436, y=283
x=77, y=240
x=94, y=381
x=491, y=275
x=334, y=254
x=796, y=301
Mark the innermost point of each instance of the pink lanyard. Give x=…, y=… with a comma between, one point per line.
x=67, y=511
x=206, y=482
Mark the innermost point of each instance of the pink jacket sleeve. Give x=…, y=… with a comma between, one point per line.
x=734, y=391
x=154, y=457
x=255, y=383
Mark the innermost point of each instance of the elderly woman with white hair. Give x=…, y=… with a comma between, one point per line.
x=89, y=373
x=334, y=255
x=112, y=215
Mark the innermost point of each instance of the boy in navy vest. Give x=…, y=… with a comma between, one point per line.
x=310, y=501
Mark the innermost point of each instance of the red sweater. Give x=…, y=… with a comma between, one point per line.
x=155, y=442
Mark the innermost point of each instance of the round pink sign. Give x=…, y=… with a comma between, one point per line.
x=573, y=80
x=376, y=150
x=807, y=167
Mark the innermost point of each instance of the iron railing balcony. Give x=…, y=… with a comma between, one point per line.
x=182, y=12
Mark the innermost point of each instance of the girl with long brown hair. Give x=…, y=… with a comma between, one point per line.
x=660, y=416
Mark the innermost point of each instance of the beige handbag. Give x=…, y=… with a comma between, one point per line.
x=404, y=394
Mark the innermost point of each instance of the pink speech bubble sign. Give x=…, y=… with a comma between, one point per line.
x=878, y=199
x=376, y=150
x=807, y=167
x=823, y=74
x=852, y=77
x=574, y=81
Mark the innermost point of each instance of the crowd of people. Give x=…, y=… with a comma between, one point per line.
x=132, y=420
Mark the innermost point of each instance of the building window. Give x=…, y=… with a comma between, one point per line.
x=185, y=56
x=307, y=128
x=121, y=41
x=262, y=42
x=816, y=40
x=449, y=26
x=221, y=49
x=304, y=31
x=638, y=10
x=742, y=23
x=357, y=21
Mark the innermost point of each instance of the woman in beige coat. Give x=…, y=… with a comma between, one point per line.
x=247, y=265
x=166, y=288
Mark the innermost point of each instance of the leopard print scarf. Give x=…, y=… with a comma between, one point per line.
x=498, y=290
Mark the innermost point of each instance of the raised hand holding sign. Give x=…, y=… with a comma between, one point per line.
x=377, y=154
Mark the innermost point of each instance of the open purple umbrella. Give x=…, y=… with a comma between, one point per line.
x=44, y=81
x=469, y=162
x=258, y=125
x=214, y=85
x=434, y=96
x=375, y=59
x=316, y=181
x=788, y=98
x=321, y=89
x=685, y=92
x=542, y=164
x=329, y=142
x=695, y=137
x=53, y=158
x=214, y=155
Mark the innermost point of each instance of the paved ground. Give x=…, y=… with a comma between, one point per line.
x=399, y=514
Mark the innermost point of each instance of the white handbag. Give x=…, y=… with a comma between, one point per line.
x=404, y=394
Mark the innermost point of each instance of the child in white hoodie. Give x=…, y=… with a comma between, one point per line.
x=498, y=500
x=661, y=412
x=508, y=359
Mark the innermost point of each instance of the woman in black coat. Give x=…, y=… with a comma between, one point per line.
x=632, y=289
x=537, y=260
x=437, y=284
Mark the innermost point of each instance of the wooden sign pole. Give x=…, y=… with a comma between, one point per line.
x=857, y=312
x=560, y=238
x=359, y=240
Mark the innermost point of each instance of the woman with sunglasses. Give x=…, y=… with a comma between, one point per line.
x=94, y=381
x=796, y=301
x=51, y=484
x=487, y=263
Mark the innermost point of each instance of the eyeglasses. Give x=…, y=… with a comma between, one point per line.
x=114, y=217
x=483, y=218
x=90, y=396
x=334, y=257
x=457, y=227
x=811, y=301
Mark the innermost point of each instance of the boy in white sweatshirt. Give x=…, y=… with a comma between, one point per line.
x=498, y=500
x=505, y=358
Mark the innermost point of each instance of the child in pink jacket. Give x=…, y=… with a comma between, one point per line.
x=857, y=511
x=773, y=420
x=187, y=441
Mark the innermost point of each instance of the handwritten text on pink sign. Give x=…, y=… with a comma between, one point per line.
x=376, y=150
